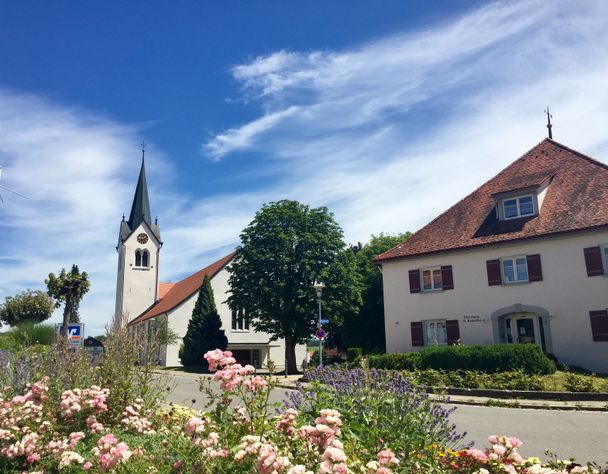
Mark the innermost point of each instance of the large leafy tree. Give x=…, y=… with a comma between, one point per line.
x=68, y=289
x=286, y=247
x=204, y=328
x=27, y=307
x=365, y=328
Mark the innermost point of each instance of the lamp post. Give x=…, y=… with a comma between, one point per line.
x=318, y=286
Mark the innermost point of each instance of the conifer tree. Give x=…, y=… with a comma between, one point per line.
x=204, y=329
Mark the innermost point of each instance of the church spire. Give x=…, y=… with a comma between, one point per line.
x=140, y=210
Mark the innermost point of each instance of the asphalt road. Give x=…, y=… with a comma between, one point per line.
x=583, y=435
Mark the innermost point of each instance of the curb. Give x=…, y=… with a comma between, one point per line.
x=523, y=394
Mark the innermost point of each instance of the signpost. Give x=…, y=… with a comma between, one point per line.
x=75, y=333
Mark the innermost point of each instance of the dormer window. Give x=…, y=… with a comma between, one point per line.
x=520, y=206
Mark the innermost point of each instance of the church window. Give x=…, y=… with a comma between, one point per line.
x=142, y=258
x=240, y=320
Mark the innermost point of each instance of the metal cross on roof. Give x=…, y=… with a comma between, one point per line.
x=549, y=125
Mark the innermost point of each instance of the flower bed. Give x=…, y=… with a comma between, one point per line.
x=346, y=422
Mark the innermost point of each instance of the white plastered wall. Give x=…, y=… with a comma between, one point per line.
x=566, y=293
x=136, y=287
x=180, y=316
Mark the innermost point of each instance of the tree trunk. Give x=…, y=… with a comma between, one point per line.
x=290, y=355
x=66, y=320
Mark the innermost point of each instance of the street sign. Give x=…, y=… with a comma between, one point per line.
x=75, y=333
x=320, y=334
x=325, y=321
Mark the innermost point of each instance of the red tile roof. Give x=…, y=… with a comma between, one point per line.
x=182, y=290
x=163, y=289
x=576, y=200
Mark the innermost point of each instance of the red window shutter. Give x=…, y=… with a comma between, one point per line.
x=494, y=274
x=535, y=271
x=447, y=278
x=414, y=281
x=417, y=336
x=453, y=331
x=599, y=325
x=593, y=260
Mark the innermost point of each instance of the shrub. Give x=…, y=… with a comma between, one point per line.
x=353, y=353
x=380, y=409
x=27, y=334
x=405, y=361
x=578, y=383
x=490, y=358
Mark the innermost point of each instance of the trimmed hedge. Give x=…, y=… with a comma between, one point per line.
x=490, y=358
x=353, y=353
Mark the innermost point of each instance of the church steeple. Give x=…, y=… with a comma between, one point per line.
x=140, y=210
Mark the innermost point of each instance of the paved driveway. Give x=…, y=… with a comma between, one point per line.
x=583, y=435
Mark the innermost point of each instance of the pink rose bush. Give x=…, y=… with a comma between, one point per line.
x=75, y=431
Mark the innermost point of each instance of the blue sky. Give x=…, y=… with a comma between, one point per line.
x=387, y=113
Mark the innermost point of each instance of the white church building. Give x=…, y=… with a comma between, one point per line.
x=143, y=299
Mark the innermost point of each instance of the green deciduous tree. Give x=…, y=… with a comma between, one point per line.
x=283, y=251
x=68, y=289
x=27, y=307
x=204, y=329
x=365, y=328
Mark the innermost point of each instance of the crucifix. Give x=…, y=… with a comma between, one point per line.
x=549, y=125
x=143, y=150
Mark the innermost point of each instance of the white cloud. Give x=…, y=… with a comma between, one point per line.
x=387, y=134
x=392, y=132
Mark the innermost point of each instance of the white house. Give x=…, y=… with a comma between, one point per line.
x=523, y=258
x=144, y=299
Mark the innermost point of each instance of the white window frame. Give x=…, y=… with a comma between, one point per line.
x=141, y=259
x=514, y=260
x=432, y=288
x=426, y=325
x=604, y=256
x=517, y=203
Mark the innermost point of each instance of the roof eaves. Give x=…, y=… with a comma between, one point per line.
x=379, y=260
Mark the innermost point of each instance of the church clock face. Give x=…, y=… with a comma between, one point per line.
x=142, y=238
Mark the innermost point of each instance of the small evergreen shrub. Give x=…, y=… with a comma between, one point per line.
x=405, y=361
x=529, y=358
x=578, y=383
x=205, y=331
x=353, y=353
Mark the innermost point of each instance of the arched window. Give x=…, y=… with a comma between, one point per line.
x=145, y=257
x=138, y=258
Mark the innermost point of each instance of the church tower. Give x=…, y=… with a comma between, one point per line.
x=138, y=255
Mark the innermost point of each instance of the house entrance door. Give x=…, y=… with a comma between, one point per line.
x=524, y=328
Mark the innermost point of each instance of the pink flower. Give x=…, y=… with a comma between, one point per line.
x=87, y=465
x=515, y=442
x=477, y=454
x=498, y=449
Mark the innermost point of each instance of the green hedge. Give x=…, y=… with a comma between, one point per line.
x=528, y=358
x=353, y=353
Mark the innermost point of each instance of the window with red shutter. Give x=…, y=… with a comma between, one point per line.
x=453, y=331
x=535, y=271
x=599, y=325
x=593, y=261
x=447, y=277
x=414, y=281
x=417, y=334
x=494, y=273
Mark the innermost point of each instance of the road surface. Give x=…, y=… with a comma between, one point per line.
x=581, y=434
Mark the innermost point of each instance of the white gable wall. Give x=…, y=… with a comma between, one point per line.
x=180, y=316
x=566, y=293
